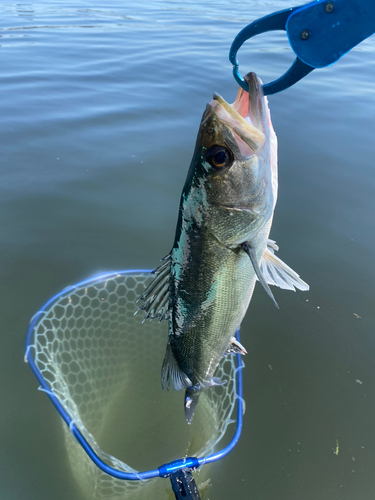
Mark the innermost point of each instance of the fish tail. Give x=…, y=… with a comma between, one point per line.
x=191, y=401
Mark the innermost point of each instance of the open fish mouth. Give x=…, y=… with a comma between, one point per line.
x=244, y=116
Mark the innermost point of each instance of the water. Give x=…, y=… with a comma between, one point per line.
x=100, y=107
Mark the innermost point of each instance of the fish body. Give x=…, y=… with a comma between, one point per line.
x=222, y=246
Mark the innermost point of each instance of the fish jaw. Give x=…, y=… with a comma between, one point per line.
x=259, y=113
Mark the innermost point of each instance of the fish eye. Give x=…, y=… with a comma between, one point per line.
x=219, y=157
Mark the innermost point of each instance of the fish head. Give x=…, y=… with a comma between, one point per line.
x=235, y=164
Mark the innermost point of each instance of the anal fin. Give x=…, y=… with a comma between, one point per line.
x=235, y=346
x=216, y=381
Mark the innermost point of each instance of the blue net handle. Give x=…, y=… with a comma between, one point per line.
x=163, y=470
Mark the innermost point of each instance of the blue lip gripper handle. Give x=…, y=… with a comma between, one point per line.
x=319, y=33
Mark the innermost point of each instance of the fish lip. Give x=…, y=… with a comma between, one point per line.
x=255, y=86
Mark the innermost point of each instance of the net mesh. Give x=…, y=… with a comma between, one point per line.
x=103, y=365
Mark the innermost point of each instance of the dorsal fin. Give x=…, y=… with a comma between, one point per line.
x=277, y=273
x=156, y=296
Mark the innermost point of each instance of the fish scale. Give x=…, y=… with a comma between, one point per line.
x=209, y=334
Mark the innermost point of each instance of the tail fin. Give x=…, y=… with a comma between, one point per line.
x=191, y=401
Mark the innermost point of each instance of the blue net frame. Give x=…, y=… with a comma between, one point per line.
x=163, y=470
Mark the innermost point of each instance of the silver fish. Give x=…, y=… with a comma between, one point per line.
x=204, y=285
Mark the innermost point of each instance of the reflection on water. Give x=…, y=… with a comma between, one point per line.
x=98, y=123
x=25, y=10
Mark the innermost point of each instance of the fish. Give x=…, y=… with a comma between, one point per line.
x=204, y=285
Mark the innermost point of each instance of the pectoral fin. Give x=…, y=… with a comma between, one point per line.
x=156, y=296
x=277, y=273
x=251, y=253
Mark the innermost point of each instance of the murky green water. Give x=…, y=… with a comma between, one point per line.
x=100, y=106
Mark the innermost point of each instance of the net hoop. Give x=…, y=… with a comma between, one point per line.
x=162, y=471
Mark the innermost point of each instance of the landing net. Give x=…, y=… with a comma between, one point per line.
x=100, y=366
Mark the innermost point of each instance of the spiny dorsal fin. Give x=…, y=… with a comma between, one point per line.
x=170, y=371
x=277, y=273
x=156, y=296
x=235, y=346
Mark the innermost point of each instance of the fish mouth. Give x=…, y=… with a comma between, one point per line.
x=244, y=116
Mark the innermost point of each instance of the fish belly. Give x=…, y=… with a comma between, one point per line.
x=209, y=300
